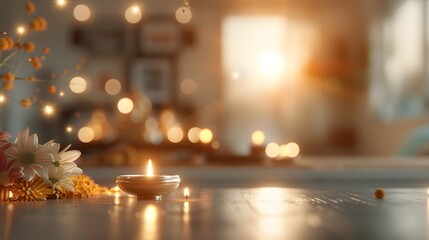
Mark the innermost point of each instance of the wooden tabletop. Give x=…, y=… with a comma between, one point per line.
x=225, y=213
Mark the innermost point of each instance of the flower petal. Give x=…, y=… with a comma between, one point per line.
x=41, y=171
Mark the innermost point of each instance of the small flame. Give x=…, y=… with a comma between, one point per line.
x=149, y=168
x=10, y=194
x=186, y=193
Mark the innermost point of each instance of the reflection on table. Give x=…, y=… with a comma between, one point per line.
x=225, y=213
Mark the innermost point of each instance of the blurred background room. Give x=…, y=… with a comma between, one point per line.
x=227, y=83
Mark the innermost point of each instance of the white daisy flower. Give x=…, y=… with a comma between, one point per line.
x=66, y=158
x=30, y=156
x=60, y=178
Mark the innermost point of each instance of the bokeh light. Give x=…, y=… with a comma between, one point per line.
x=82, y=12
x=77, y=85
x=2, y=98
x=283, y=152
x=48, y=110
x=258, y=137
x=69, y=129
x=183, y=15
x=61, y=3
x=133, y=14
x=206, y=135
x=85, y=134
x=194, y=134
x=216, y=145
x=175, y=134
x=125, y=105
x=188, y=87
x=272, y=150
x=20, y=30
x=113, y=87
x=292, y=149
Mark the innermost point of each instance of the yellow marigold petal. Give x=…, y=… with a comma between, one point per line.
x=34, y=190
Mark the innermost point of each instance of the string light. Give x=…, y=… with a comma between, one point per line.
x=49, y=110
x=20, y=30
x=2, y=98
x=61, y=3
x=69, y=129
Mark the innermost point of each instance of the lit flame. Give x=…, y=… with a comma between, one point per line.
x=149, y=168
x=10, y=194
x=186, y=193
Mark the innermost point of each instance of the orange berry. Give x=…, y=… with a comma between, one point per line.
x=10, y=42
x=35, y=62
x=4, y=44
x=379, y=193
x=26, y=103
x=32, y=78
x=29, y=46
x=18, y=45
x=46, y=50
x=8, y=86
x=30, y=7
x=43, y=23
x=52, y=89
x=9, y=77
x=35, y=25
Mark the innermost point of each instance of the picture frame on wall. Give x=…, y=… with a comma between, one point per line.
x=154, y=78
x=159, y=37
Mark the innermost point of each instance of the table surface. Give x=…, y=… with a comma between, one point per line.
x=225, y=213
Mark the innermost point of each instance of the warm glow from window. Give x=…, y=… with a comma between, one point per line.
x=125, y=105
x=194, y=134
x=235, y=75
x=258, y=137
x=81, y=12
x=188, y=87
x=77, y=85
x=175, y=134
x=272, y=150
x=85, y=134
x=133, y=14
x=270, y=64
x=206, y=136
x=113, y=87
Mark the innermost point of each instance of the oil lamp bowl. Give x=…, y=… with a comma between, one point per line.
x=148, y=187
